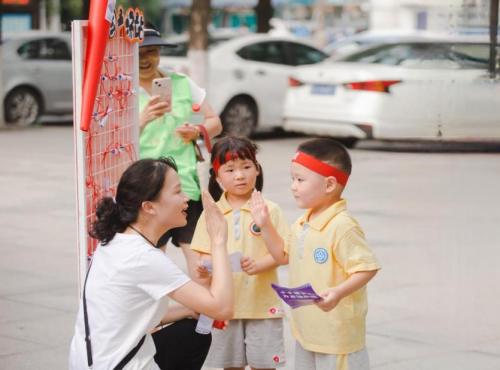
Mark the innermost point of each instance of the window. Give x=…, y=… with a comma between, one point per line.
x=30, y=50
x=303, y=54
x=426, y=55
x=393, y=54
x=267, y=52
x=182, y=47
x=53, y=49
x=470, y=55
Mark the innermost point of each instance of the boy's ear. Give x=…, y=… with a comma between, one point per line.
x=331, y=184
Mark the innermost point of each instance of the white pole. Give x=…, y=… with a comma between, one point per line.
x=43, y=15
x=55, y=16
x=2, y=123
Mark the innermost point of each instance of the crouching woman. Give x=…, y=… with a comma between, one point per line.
x=130, y=281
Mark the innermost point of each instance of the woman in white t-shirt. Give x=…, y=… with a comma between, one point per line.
x=130, y=280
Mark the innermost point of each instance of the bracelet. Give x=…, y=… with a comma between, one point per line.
x=206, y=137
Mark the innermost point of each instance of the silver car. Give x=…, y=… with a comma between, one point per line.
x=36, y=74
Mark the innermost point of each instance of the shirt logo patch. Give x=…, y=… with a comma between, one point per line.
x=320, y=255
x=254, y=229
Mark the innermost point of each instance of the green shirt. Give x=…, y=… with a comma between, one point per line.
x=159, y=139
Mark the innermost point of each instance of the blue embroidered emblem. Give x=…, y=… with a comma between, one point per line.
x=320, y=255
x=254, y=229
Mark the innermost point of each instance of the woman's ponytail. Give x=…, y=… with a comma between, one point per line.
x=108, y=221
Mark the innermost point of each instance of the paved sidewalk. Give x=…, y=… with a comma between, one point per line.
x=432, y=219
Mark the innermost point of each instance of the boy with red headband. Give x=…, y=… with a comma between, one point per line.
x=327, y=248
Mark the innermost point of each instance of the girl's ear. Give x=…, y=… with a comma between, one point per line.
x=331, y=184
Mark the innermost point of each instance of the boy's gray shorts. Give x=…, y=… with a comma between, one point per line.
x=307, y=360
x=258, y=343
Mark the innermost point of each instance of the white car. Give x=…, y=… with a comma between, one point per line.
x=36, y=73
x=248, y=78
x=435, y=90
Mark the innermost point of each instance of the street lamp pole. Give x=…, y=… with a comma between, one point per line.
x=493, y=37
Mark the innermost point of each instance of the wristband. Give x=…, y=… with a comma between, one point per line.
x=202, y=129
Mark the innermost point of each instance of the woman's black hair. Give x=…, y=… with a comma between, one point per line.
x=241, y=148
x=140, y=182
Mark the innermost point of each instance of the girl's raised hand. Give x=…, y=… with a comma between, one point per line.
x=249, y=265
x=259, y=210
x=215, y=221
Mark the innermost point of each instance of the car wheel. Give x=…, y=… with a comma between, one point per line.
x=22, y=107
x=239, y=117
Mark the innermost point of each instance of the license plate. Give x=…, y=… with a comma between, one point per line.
x=319, y=89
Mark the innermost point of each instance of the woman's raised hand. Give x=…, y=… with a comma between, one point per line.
x=216, y=223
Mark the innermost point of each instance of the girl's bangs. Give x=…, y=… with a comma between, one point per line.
x=236, y=150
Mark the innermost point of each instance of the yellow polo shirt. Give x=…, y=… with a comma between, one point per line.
x=325, y=252
x=253, y=295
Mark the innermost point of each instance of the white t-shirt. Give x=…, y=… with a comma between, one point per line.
x=126, y=297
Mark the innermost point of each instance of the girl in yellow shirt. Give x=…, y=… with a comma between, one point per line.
x=256, y=228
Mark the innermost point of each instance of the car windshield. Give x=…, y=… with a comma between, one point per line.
x=458, y=55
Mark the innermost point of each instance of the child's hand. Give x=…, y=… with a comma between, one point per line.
x=331, y=299
x=259, y=210
x=202, y=271
x=249, y=265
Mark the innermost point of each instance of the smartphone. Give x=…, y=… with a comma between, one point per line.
x=163, y=87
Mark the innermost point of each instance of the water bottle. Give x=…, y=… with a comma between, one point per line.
x=197, y=118
x=203, y=168
x=204, y=325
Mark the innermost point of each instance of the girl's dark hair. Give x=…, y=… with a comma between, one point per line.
x=329, y=151
x=242, y=148
x=140, y=182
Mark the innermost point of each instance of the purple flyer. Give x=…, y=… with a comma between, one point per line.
x=296, y=297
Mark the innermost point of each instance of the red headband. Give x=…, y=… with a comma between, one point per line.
x=229, y=156
x=320, y=167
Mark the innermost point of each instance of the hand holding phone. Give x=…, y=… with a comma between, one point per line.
x=163, y=88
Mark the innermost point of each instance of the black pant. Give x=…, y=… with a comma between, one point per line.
x=179, y=347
